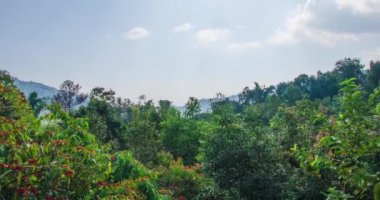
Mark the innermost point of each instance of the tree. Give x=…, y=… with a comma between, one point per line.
x=164, y=108
x=349, y=68
x=346, y=154
x=292, y=94
x=281, y=87
x=55, y=157
x=192, y=107
x=6, y=79
x=304, y=82
x=143, y=132
x=257, y=95
x=102, y=94
x=105, y=118
x=6, y=109
x=241, y=159
x=182, y=136
x=36, y=103
x=374, y=74
x=325, y=85
x=69, y=96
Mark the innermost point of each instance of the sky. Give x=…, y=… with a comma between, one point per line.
x=172, y=49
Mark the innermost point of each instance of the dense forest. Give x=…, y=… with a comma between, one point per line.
x=316, y=137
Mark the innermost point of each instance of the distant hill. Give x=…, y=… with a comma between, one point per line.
x=48, y=92
x=42, y=90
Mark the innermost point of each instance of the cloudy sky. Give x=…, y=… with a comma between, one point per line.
x=172, y=49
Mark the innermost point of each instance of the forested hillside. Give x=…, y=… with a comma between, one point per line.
x=28, y=87
x=316, y=137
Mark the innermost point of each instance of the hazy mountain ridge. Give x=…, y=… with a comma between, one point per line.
x=48, y=92
x=42, y=90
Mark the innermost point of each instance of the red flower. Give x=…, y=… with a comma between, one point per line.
x=32, y=161
x=34, y=191
x=39, y=174
x=101, y=183
x=59, y=142
x=69, y=173
x=21, y=190
x=24, y=191
x=3, y=133
x=19, y=168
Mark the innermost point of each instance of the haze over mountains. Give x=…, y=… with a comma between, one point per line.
x=42, y=90
x=48, y=92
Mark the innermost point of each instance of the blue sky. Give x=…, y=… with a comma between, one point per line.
x=171, y=49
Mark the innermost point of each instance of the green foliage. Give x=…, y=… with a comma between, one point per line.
x=256, y=95
x=292, y=94
x=192, y=107
x=182, y=137
x=243, y=159
x=143, y=135
x=303, y=139
x=185, y=182
x=298, y=124
x=105, y=121
x=334, y=194
x=126, y=167
x=69, y=96
x=56, y=157
x=376, y=191
x=349, y=68
x=374, y=74
x=37, y=104
x=344, y=154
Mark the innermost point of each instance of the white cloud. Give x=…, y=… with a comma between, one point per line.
x=329, y=38
x=183, y=28
x=222, y=40
x=295, y=24
x=206, y=36
x=238, y=47
x=136, y=33
x=360, y=6
x=298, y=26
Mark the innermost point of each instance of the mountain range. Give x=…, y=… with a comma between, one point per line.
x=47, y=92
x=42, y=90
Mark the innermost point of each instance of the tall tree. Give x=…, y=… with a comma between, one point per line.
x=349, y=68
x=374, y=73
x=304, y=82
x=192, y=107
x=102, y=94
x=69, y=96
x=104, y=117
x=5, y=104
x=292, y=94
x=256, y=95
x=36, y=103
